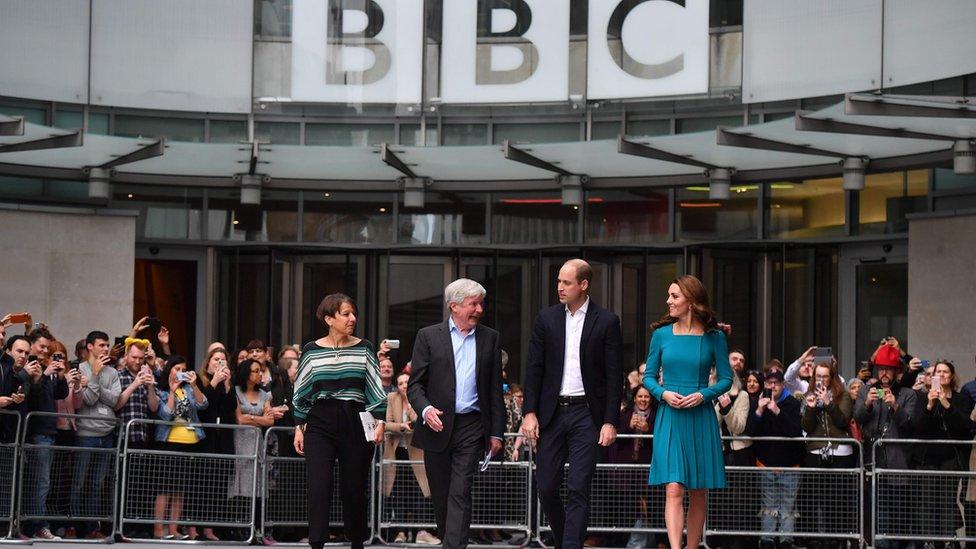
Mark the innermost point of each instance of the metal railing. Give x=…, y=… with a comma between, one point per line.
x=214, y=490
x=9, y=455
x=920, y=501
x=95, y=467
x=924, y=501
x=286, y=503
x=501, y=496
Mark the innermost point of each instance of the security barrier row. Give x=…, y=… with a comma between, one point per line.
x=261, y=489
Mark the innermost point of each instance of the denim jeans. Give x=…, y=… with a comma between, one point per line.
x=39, y=467
x=778, y=501
x=91, y=468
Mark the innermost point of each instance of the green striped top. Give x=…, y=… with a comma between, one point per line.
x=347, y=373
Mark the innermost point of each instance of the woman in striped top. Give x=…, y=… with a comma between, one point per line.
x=338, y=377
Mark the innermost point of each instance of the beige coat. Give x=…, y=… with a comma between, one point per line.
x=396, y=430
x=735, y=420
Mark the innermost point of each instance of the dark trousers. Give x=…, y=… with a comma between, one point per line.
x=570, y=433
x=334, y=432
x=451, y=475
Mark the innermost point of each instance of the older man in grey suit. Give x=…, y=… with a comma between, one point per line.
x=456, y=383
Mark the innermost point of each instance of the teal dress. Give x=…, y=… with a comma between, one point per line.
x=687, y=442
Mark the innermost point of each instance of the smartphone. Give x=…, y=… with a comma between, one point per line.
x=73, y=365
x=119, y=342
x=880, y=393
x=20, y=390
x=154, y=324
x=820, y=385
x=182, y=377
x=20, y=318
x=926, y=364
x=393, y=343
x=822, y=355
x=31, y=358
x=767, y=393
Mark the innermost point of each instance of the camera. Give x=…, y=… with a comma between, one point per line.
x=182, y=377
x=767, y=393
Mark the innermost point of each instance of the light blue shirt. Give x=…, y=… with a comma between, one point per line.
x=465, y=361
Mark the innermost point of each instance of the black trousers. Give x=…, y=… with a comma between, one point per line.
x=451, y=493
x=335, y=433
x=571, y=433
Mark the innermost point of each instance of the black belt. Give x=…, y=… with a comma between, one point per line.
x=568, y=400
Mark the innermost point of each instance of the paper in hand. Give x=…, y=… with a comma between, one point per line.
x=369, y=425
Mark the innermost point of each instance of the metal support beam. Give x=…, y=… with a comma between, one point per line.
x=14, y=126
x=54, y=142
x=640, y=149
x=924, y=106
x=749, y=141
x=519, y=155
x=149, y=151
x=391, y=159
x=828, y=125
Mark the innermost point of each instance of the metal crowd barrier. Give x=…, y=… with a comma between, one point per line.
x=924, y=503
x=217, y=490
x=8, y=466
x=501, y=497
x=286, y=503
x=827, y=501
x=68, y=467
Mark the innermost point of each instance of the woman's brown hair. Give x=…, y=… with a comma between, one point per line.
x=836, y=387
x=202, y=374
x=331, y=304
x=696, y=294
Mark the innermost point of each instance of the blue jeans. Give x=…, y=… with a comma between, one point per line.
x=39, y=467
x=778, y=501
x=91, y=468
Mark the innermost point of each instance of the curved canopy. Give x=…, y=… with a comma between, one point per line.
x=891, y=132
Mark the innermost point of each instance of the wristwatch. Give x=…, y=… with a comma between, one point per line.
x=302, y=427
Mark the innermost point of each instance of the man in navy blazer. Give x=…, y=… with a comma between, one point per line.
x=456, y=388
x=573, y=385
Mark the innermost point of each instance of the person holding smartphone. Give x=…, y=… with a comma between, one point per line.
x=215, y=380
x=13, y=380
x=777, y=415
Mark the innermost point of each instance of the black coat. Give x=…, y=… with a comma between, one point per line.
x=433, y=383
x=600, y=364
x=942, y=423
x=784, y=424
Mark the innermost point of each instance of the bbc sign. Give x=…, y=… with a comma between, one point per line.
x=371, y=51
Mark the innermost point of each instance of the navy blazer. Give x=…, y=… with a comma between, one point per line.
x=433, y=382
x=600, y=364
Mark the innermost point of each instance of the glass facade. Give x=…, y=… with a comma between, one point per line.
x=345, y=217
x=888, y=198
x=701, y=218
x=806, y=209
x=627, y=216
x=445, y=218
x=537, y=218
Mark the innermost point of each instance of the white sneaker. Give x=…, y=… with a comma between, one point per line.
x=45, y=534
x=427, y=538
x=401, y=537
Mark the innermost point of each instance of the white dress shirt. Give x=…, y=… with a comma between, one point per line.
x=572, y=375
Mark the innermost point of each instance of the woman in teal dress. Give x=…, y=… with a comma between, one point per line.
x=685, y=346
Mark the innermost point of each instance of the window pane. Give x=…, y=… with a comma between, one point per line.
x=465, y=134
x=98, y=123
x=690, y=125
x=348, y=134
x=604, y=130
x=627, y=216
x=353, y=218
x=34, y=115
x=274, y=220
x=701, y=218
x=446, y=218
x=724, y=13
x=279, y=133
x=410, y=135
x=175, y=129
x=228, y=131
x=537, y=133
x=272, y=18
x=532, y=218
x=888, y=197
x=415, y=300
x=772, y=116
x=946, y=180
x=322, y=279
x=813, y=208
x=69, y=120
x=648, y=127
x=171, y=213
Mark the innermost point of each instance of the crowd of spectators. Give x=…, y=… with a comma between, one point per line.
x=86, y=401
